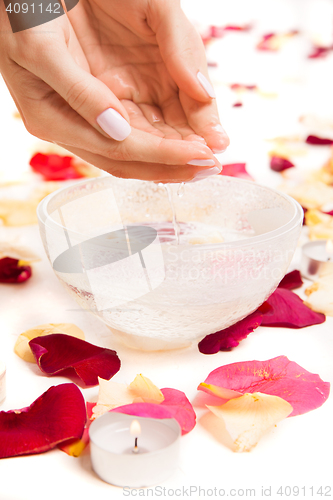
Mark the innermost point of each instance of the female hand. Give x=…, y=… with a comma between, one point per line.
x=79, y=81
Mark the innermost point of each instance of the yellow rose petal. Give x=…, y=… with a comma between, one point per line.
x=142, y=387
x=247, y=418
x=22, y=348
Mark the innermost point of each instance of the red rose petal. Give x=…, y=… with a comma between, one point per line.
x=279, y=376
x=288, y=310
x=175, y=405
x=58, y=352
x=230, y=337
x=291, y=280
x=278, y=164
x=237, y=104
x=236, y=170
x=56, y=416
x=329, y=213
x=54, y=167
x=11, y=272
x=318, y=141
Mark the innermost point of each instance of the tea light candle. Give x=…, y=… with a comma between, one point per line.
x=2, y=381
x=134, y=451
x=317, y=259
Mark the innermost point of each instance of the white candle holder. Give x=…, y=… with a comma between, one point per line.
x=112, y=449
x=316, y=260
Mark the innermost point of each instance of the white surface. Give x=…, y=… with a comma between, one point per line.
x=298, y=451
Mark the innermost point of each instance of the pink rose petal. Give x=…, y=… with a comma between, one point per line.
x=226, y=339
x=278, y=164
x=58, y=352
x=56, y=416
x=319, y=52
x=318, y=141
x=288, y=310
x=175, y=405
x=279, y=376
x=11, y=272
x=236, y=170
x=291, y=280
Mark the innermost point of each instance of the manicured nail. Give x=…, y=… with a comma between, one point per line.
x=206, y=85
x=201, y=163
x=114, y=124
x=218, y=151
x=203, y=174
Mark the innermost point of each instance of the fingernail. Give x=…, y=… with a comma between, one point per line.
x=218, y=151
x=203, y=174
x=114, y=124
x=206, y=85
x=201, y=163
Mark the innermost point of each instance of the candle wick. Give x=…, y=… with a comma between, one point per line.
x=136, y=449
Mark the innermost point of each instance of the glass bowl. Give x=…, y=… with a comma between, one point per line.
x=112, y=244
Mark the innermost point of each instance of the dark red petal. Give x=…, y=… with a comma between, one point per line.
x=329, y=213
x=54, y=167
x=237, y=104
x=288, y=310
x=279, y=376
x=291, y=280
x=318, y=141
x=11, y=272
x=278, y=164
x=56, y=416
x=58, y=352
x=236, y=170
x=174, y=406
x=230, y=337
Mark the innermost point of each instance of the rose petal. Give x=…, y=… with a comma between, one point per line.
x=234, y=27
x=58, y=352
x=111, y=395
x=75, y=447
x=319, y=52
x=236, y=170
x=279, y=376
x=291, y=280
x=22, y=347
x=226, y=339
x=247, y=418
x=56, y=416
x=54, y=167
x=320, y=295
x=274, y=41
x=14, y=250
x=175, y=405
x=278, y=164
x=318, y=141
x=12, y=272
x=288, y=310
x=237, y=104
x=143, y=388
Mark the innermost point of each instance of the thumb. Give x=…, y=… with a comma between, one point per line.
x=182, y=49
x=87, y=95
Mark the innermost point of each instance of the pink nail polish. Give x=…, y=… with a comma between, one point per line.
x=201, y=163
x=206, y=85
x=203, y=174
x=114, y=124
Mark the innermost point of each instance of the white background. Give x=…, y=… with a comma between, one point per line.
x=298, y=451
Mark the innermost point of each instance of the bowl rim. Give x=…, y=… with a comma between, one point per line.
x=296, y=219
